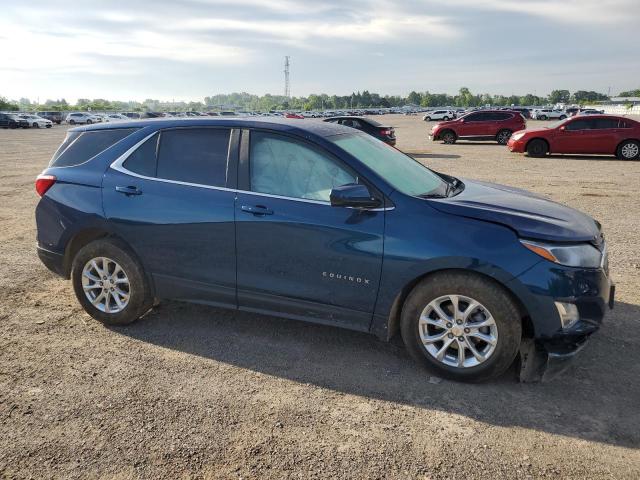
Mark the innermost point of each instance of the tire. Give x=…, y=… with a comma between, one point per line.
x=503, y=136
x=628, y=150
x=448, y=137
x=506, y=328
x=537, y=148
x=562, y=117
x=139, y=299
x=72, y=122
x=445, y=118
x=35, y=125
x=89, y=122
x=428, y=119
x=542, y=117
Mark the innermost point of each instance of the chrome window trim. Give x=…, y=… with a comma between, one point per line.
x=117, y=165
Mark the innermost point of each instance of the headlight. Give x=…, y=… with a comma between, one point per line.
x=578, y=255
x=517, y=136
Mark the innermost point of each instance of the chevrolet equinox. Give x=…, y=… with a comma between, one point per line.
x=319, y=222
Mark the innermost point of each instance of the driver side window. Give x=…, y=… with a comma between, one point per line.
x=279, y=165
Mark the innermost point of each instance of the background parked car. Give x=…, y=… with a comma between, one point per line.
x=9, y=120
x=548, y=114
x=439, y=115
x=115, y=117
x=82, y=118
x=602, y=134
x=481, y=125
x=36, y=122
x=381, y=132
x=590, y=111
x=525, y=112
x=55, y=117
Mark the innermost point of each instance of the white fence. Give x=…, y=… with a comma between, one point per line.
x=618, y=109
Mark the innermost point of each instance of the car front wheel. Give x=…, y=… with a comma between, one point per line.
x=449, y=137
x=537, y=148
x=628, y=150
x=110, y=283
x=35, y=125
x=461, y=326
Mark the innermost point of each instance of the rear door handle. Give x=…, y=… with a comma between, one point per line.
x=257, y=210
x=129, y=190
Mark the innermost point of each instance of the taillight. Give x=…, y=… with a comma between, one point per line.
x=44, y=183
x=386, y=131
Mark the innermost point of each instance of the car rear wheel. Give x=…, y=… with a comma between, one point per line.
x=89, y=122
x=562, y=117
x=428, y=119
x=537, y=148
x=110, y=283
x=461, y=326
x=449, y=137
x=542, y=117
x=445, y=118
x=628, y=150
x=503, y=136
x=72, y=122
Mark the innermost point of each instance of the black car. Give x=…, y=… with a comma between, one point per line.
x=525, y=112
x=373, y=128
x=9, y=120
x=55, y=117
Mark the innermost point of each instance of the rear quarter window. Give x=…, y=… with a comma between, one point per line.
x=80, y=147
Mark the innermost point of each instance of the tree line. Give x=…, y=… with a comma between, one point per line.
x=360, y=99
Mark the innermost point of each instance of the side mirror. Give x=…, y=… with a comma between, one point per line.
x=353, y=195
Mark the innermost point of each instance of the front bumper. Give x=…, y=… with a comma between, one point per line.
x=552, y=348
x=516, y=146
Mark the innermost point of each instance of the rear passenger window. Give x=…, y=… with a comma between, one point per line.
x=83, y=146
x=143, y=160
x=194, y=155
x=602, y=123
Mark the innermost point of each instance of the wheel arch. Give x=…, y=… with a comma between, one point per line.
x=393, y=321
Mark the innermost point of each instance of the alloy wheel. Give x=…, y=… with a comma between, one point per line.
x=503, y=137
x=630, y=150
x=106, y=285
x=458, y=331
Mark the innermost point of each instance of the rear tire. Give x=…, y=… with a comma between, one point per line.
x=562, y=117
x=542, y=117
x=428, y=119
x=72, y=122
x=503, y=136
x=628, y=150
x=489, y=304
x=537, y=148
x=89, y=122
x=448, y=137
x=107, y=267
x=445, y=118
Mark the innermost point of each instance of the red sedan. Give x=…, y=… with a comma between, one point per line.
x=595, y=134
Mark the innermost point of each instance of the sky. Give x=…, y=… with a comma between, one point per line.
x=189, y=49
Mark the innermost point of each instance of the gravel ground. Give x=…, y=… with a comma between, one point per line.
x=198, y=392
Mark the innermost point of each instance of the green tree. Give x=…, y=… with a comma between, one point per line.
x=559, y=96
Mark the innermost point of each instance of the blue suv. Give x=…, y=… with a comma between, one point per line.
x=319, y=222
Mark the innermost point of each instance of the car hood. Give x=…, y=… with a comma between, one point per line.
x=530, y=215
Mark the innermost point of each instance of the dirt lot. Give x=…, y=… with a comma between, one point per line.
x=197, y=392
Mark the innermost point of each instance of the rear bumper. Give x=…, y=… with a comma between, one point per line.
x=53, y=261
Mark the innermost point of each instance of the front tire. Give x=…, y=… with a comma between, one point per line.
x=110, y=283
x=89, y=122
x=449, y=137
x=628, y=150
x=562, y=117
x=445, y=118
x=428, y=119
x=537, y=148
x=72, y=122
x=503, y=136
x=461, y=326
x=542, y=117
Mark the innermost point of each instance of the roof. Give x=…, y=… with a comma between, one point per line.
x=300, y=126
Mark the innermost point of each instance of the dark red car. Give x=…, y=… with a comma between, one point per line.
x=595, y=134
x=495, y=125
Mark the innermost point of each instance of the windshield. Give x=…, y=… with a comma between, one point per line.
x=401, y=171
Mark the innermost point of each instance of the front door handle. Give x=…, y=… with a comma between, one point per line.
x=257, y=210
x=129, y=190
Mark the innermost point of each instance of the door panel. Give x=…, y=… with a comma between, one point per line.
x=184, y=235
x=309, y=260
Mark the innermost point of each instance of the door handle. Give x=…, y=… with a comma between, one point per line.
x=258, y=210
x=130, y=190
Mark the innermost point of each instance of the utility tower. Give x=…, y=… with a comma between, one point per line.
x=287, y=85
